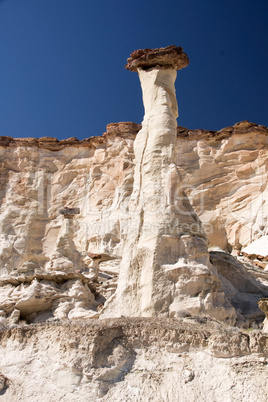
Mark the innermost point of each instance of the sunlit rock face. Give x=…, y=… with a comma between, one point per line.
x=140, y=202
x=119, y=226
x=39, y=180
x=165, y=267
x=133, y=359
x=225, y=175
x=39, y=177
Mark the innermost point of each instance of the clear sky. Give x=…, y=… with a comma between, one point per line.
x=62, y=63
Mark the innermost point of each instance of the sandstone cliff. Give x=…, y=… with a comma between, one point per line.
x=144, y=221
x=224, y=175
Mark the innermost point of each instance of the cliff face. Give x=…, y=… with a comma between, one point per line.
x=64, y=265
x=45, y=255
x=224, y=175
x=39, y=177
x=119, y=226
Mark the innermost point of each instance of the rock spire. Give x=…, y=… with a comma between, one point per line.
x=165, y=267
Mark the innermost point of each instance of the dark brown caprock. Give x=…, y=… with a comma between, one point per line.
x=170, y=57
x=69, y=212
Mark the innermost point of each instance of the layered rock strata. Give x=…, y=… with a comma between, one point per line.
x=132, y=360
x=224, y=173
x=72, y=210
x=69, y=262
x=165, y=267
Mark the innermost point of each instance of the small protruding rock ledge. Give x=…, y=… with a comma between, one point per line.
x=170, y=57
x=125, y=127
x=57, y=277
x=69, y=212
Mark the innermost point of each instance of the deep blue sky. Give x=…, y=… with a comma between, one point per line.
x=62, y=62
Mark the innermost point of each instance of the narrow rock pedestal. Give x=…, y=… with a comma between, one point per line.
x=165, y=268
x=65, y=257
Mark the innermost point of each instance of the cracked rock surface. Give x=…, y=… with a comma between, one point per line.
x=133, y=359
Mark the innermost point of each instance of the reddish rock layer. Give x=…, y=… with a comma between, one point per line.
x=129, y=129
x=164, y=57
x=122, y=129
x=240, y=128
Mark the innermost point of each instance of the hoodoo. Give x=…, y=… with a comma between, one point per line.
x=165, y=267
x=102, y=228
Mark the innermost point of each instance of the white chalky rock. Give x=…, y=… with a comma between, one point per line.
x=165, y=267
x=258, y=248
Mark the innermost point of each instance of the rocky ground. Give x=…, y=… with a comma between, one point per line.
x=142, y=359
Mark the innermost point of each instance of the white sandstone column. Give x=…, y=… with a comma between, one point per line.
x=165, y=267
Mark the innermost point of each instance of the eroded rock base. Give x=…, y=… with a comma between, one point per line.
x=133, y=360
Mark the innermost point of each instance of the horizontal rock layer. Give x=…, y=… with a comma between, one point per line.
x=65, y=266
x=224, y=172
x=170, y=57
x=137, y=359
x=224, y=175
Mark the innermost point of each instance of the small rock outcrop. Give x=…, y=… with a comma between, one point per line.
x=263, y=305
x=258, y=248
x=170, y=57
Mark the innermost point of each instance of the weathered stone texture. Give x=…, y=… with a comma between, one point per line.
x=224, y=175
x=119, y=226
x=132, y=360
x=170, y=57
